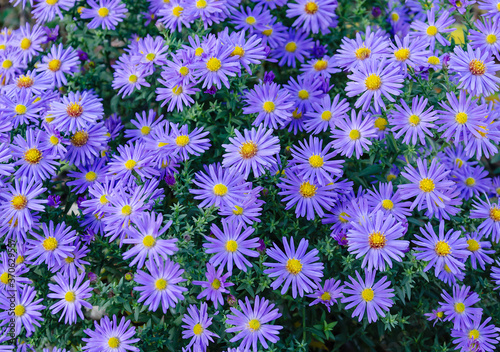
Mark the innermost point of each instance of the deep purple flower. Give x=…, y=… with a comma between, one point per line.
x=54, y=201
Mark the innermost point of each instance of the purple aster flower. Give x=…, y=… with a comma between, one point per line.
x=476, y=70
x=351, y=135
x=268, y=77
x=441, y=250
x=111, y=335
x=491, y=8
x=294, y=267
x=477, y=336
x=325, y=114
x=252, y=324
x=487, y=141
x=71, y=296
x=309, y=197
x=196, y=328
x=31, y=82
x=219, y=186
x=250, y=19
x=323, y=67
x=11, y=64
x=147, y=244
x=174, y=16
x=185, y=143
x=471, y=181
x=461, y=5
x=388, y=201
x=152, y=51
x=74, y=263
x=58, y=63
x=29, y=40
x=491, y=213
x=368, y=296
x=12, y=271
x=295, y=48
x=215, y=285
x=487, y=37
x=21, y=108
x=86, y=144
x=414, y=122
x=315, y=163
x=210, y=11
x=231, y=245
x=374, y=79
x=105, y=14
x=433, y=30
x=52, y=33
x=86, y=176
x=328, y=293
x=313, y=16
x=273, y=33
x=455, y=157
x=459, y=307
x=128, y=76
x=254, y=151
x=246, y=212
x=246, y=50
x=176, y=95
x=479, y=250
x=180, y=69
x=306, y=93
x=26, y=309
x=378, y=239
x=436, y=315
x=82, y=55
x=53, y=245
x=144, y=124
x=45, y=11
x=161, y=285
x=272, y=104
x=408, y=53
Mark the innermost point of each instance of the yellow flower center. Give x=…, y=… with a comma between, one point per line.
x=291, y=47
x=250, y=20
x=473, y=334
x=54, y=140
x=426, y=185
x=237, y=210
x=414, y=120
x=20, y=109
x=316, y=161
x=150, y=56
x=19, y=202
x=201, y=4
x=231, y=246
x=54, y=65
x=198, y=51
x=267, y=32
x=326, y=115
x=343, y=217
x=362, y=53
x=320, y=65
x=69, y=260
x=103, y=199
x=51, y=2
x=326, y=296
x=184, y=71
x=114, y=342
x=145, y=130
x=440, y=314
x=473, y=245
x=469, y=181
x=25, y=82
x=268, y=106
x=177, y=11
x=248, y=150
x=394, y=17
x=491, y=39
x=303, y=94
x=214, y=64
x=402, y=54
x=381, y=123
x=198, y=329
x=495, y=214
x=293, y=266
x=132, y=78
x=442, y=248
x=354, y=135
x=391, y=177
x=148, y=241
x=220, y=189
x=130, y=164
x=216, y=284
x=459, y=307
x=307, y=190
x=377, y=240
x=311, y=8
x=25, y=44
x=6, y=64
x=5, y=278
x=161, y=284
x=387, y=204
x=91, y=176
x=367, y=294
x=33, y=156
x=177, y=90
x=69, y=296
x=19, y=310
x=477, y=67
x=296, y=114
x=432, y=31
x=461, y=118
x=103, y=12
x=254, y=325
x=74, y=110
x=50, y=244
x=238, y=50
x=126, y=210
x=182, y=140
x=373, y=82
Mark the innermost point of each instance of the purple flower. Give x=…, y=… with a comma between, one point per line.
x=459, y=307
x=433, y=30
x=54, y=201
x=268, y=77
x=215, y=285
x=491, y=213
x=479, y=250
x=216, y=67
x=105, y=14
x=313, y=16
x=389, y=202
x=111, y=335
x=59, y=62
x=477, y=336
x=82, y=55
x=487, y=37
x=471, y=181
x=351, y=135
x=327, y=294
x=325, y=114
x=52, y=33
x=295, y=48
x=376, y=11
x=196, y=328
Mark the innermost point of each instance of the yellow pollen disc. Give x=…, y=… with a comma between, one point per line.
x=473, y=245
x=377, y=240
x=145, y=130
x=213, y=64
x=103, y=200
x=254, y=325
x=80, y=9
x=293, y=266
x=198, y=51
x=5, y=278
x=267, y=32
x=495, y=214
x=381, y=123
x=320, y=65
x=3, y=46
x=391, y=177
x=343, y=217
x=177, y=90
x=303, y=94
x=426, y=185
x=231, y=246
x=307, y=190
x=126, y=210
x=432, y=31
x=414, y=120
x=161, y=284
x=198, y=329
x=33, y=156
x=459, y=307
x=498, y=190
x=367, y=294
x=54, y=140
x=19, y=202
x=237, y=210
x=316, y=161
x=433, y=60
x=442, y=248
x=291, y=47
x=362, y=53
x=326, y=296
x=184, y=70
x=103, y=12
x=296, y=114
x=491, y=39
x=248, y=150
x=177, y=11
x=326, y=115
x=216, y=284
x=182, y=140
x=132, y=78
x=402, y=54
x=498, y=6
x=250, y=20
x=373, y=82
x=74, y=110
x=20, y=109
x=114, y=342
x=477, y=67
x=51, y=2
x=311, y=8
x=459, y=162
x=69, y=260
x=394, y=17
x=474, y=334
x=469, y=181
x=91, y=176
x=69, y=296
x=24, y=82
x=354, y=135
x=19, y=310
x=440, y=314
x=25, y=44
x=54, y=65
x=7, y=64
x=130, y=164
x=220, y=189
x=148, y=241
x=50, y=244
x=238, y=50
x=201, y=4
x=268, y=106
x=387, y=204
x=150, y=56
x=461, y=118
